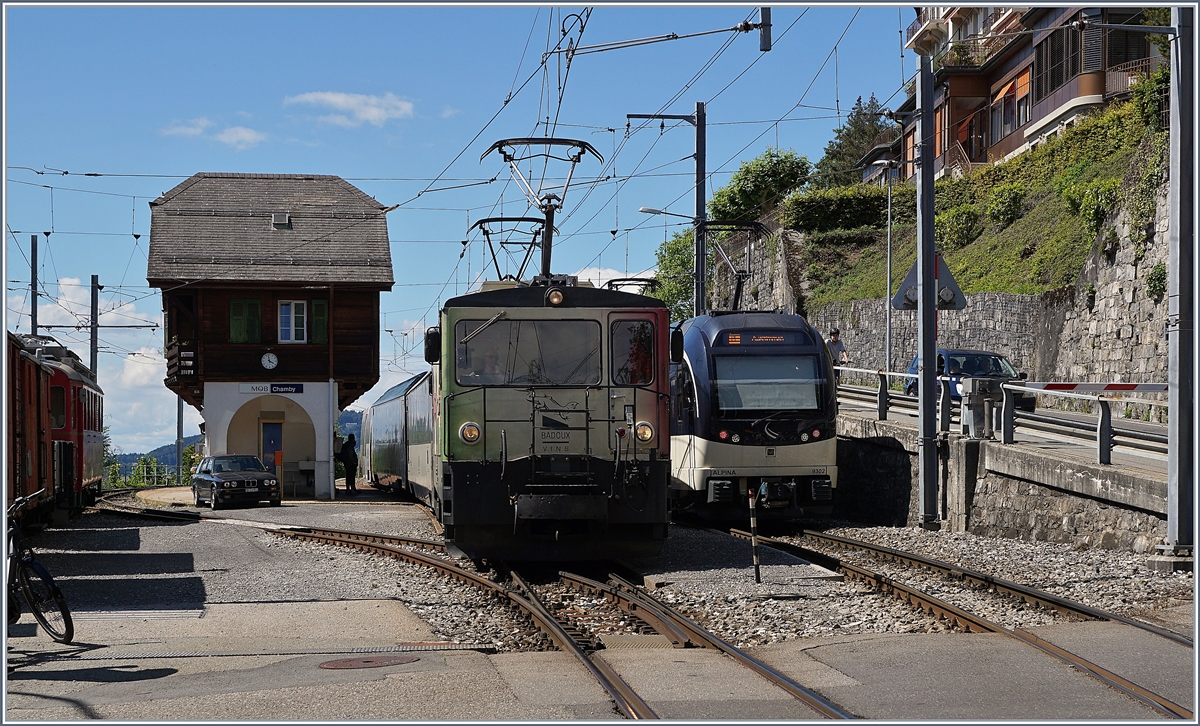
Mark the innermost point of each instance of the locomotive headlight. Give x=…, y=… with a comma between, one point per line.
x=469, y=432
x=643, y=431
x=555, y=297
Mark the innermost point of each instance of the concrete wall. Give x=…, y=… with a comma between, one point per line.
x=991, y=489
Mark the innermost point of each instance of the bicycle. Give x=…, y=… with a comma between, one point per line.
x=27, y=576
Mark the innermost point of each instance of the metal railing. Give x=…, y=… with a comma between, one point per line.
x=1102, y=431
x=1122, y=76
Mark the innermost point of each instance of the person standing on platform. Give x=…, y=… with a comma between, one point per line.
x=349, y=459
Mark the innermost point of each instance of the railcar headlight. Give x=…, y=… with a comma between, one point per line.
x=959, y=387
x=643, y=431
x=469, y=432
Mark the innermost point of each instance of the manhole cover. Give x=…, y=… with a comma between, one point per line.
x=370, y=662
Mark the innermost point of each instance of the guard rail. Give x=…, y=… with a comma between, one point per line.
x=1102, y=431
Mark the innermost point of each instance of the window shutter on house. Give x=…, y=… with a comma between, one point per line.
x=253, y=322
x=244, y=321
x=237, y=321
x=320, y=321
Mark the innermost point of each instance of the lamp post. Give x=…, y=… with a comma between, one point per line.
x=888, y=165
x=699, y=306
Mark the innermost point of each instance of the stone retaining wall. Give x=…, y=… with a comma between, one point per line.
x=983, y=488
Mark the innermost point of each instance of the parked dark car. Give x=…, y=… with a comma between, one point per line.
x=222, y=480
x=971, y=363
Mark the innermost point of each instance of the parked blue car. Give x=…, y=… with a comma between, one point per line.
x=973, y=363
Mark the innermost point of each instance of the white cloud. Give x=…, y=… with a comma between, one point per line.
x=240, y=137
x=599, y=276
x=195, y=127
x=447, y=112
x=358, y=108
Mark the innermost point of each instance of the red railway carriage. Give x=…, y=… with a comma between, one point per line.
x=28, y=452
x=74, y=409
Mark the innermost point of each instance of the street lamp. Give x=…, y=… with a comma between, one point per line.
x=651, y=210
x=888, y=165
x=700, y=301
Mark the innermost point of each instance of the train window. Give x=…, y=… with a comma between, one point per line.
x=632, y=352
x=524, y=352
x=766, y=382
x=58, y=407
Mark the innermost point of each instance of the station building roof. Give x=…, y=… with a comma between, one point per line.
x=290, y=228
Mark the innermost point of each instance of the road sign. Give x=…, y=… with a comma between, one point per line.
x=948, y=296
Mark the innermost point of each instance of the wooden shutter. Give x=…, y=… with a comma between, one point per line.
x=245, y=321
x=237, y=321
x=319, y=321
x=253, y=321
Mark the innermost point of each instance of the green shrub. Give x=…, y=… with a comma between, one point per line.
x=820, y=210
x=1148, y=94
x=956, y=228
x=856, y=236
x=1096, y=201
x=1156, y=282
x=1005, y=203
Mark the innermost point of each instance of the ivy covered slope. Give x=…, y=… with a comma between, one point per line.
x=1023, y=227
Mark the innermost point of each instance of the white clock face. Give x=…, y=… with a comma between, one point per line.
x=269, y=361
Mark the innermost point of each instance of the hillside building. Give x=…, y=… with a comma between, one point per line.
x=270, y=287
x=1005, y=79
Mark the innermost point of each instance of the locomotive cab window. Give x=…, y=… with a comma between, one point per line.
x=58, y=407
x=766, y=382
x=632, y=352
x=503, y=352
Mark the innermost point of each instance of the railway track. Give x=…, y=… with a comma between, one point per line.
x=974, y=623
x=565, y=632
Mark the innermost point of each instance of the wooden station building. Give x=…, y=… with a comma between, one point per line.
x=270, y=288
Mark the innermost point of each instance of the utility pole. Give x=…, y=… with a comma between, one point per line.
x=96, y=288
x=926, y=309
x=33, y=293
x=699, y=302
x=179, y=440
x=1181, y=334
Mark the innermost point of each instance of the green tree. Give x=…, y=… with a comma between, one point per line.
x=190, y=457
x=1159, y=17
x=675, y=261
x=759, y=185
x=851, y=141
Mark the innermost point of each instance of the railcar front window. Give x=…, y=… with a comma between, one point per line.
x=766, y=382
x=632, y=352
x=58, y=407
x=528, y=352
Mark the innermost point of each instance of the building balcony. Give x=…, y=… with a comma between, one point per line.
x=925, y=33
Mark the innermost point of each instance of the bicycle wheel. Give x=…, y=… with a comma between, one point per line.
x=46, y=601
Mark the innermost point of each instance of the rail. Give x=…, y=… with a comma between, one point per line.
x=972, y=622
x=1103, y=432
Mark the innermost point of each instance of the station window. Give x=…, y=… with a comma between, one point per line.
x=293, y=316
x=58, y=407
x=245, y=321
x=632, y=352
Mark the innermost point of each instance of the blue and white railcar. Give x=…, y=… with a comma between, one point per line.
x=397, y=437
x=754, y=410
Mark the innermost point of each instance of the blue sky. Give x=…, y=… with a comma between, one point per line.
x=386, y=97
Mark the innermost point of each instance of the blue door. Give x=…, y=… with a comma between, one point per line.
x=272, y=441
